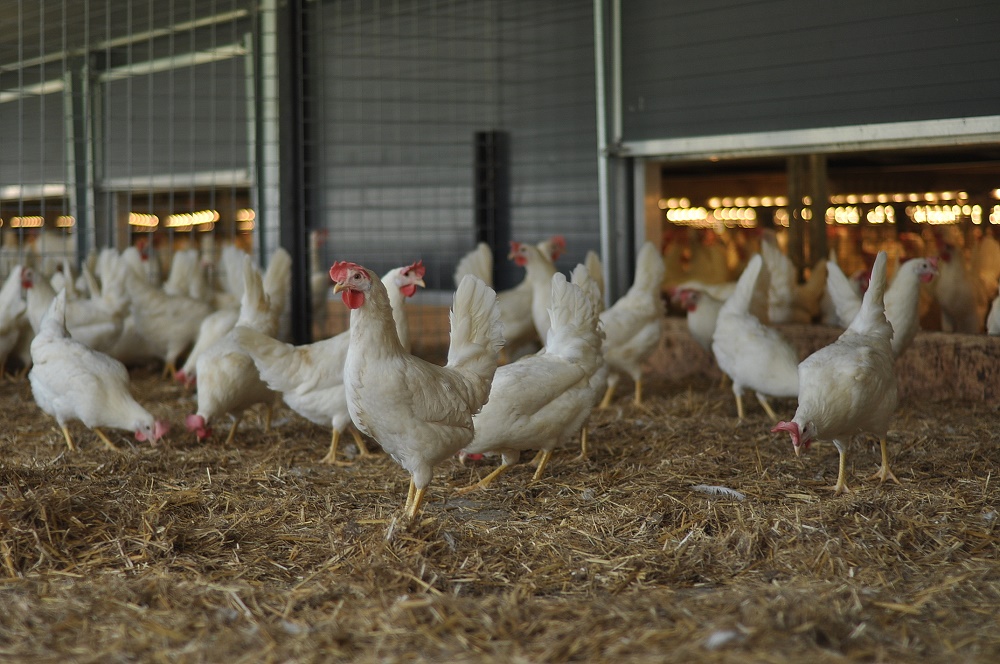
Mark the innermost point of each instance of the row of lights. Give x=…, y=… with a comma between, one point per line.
x=37, y=221
x=838, y=199
x=204, y=220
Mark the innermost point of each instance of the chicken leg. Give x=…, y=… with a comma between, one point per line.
x=767, y=407
x=884, y=473
x=107, y=443
x=638, y=392
x=360, y=442
x=841, y=486
x=232, y=430
x=414, y=499
x=546, y=455
x=331, y=455
x=169, y=369
x=610, y=392
x=69, y=439
x=739, y=404
x=583, y=445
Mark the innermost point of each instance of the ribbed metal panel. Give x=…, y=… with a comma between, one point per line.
x=723, y=67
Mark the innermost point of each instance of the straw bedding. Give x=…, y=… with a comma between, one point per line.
x=196, y=552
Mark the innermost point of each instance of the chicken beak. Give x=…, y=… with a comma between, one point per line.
x=420, y=282
x=337, y=287
x=798, y=450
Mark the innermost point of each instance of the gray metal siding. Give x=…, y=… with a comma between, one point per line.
x=187, y=120
x=725, y=67
x=401, y=90
x=33, y=140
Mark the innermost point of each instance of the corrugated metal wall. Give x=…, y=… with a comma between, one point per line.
x=402, y=88
x=724, y=67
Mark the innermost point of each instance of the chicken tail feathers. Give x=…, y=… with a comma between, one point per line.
x=845, y=298
x=596, y=271
x=476, y=334
x=278, y=279
x=575, y=312
x=255, y=307
x=871, y=317
x=272, y=357
x=649, y=269
x=478, y=263
x=739, y=301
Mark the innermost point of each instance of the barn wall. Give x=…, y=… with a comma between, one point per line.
x=400, y=90
x=724, y=67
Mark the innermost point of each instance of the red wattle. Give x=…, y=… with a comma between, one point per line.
x=408, y=290
x=520, y=260
x=353, y=299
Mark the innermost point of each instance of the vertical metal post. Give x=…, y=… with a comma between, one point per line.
x=294, y=127
x=77, y=118
x=603, y=185
x=267, y=159
x=797, y=186
x=820, y=194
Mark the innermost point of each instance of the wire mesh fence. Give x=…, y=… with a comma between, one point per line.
x=159, y=124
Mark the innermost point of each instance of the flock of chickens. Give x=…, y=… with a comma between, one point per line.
x=494, y=395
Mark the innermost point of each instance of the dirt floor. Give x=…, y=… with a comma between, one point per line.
x=200, y=552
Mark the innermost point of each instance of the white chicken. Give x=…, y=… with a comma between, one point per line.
x=538, y=275
x=73, y=382
x=311, y=377
x=168, y=324
x=753, y=355
x=420, y=413
x=702, y=314
x=902, y=299
x=781, y=284
x=228, y=381
x=849, y=387
x=12, y=308
x=514, y=303
x=185, y=276
x=634, y=324
x=540, y=401
x=963, y=306
x=97, y=321
x=218, y=323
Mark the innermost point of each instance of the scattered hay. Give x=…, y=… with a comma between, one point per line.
x=254, y=552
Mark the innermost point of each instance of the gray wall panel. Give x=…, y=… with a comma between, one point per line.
x=726, y=67
x=33, y=137
x=188, y=120
x=402, y=89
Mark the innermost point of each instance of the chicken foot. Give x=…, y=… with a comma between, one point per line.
x=107, y=442
x=486, y=481
x=414, y=499
x=363, y=450
x=331, y=455
x=884, y=473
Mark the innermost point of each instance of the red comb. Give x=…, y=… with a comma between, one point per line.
x=559, y=241
x=515, y=246
x=338, y=271
x=417, y=269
